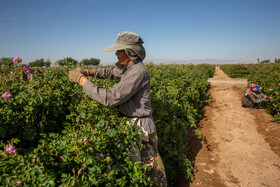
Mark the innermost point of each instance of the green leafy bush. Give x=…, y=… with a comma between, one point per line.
x=236, y=70
x=60, y=136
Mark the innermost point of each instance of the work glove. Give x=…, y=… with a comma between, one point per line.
x=74, y=76
x=82, y=71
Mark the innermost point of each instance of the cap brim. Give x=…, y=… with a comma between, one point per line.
x=116, y=47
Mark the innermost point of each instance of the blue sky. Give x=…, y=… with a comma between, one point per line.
x=178, y=30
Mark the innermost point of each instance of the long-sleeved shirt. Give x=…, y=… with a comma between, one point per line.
x=132, y=93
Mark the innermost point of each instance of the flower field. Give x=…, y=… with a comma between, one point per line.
x=53, y=134
x=267, y=75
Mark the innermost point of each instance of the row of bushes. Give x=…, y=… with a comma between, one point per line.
x=68, y=61
x=54, y=134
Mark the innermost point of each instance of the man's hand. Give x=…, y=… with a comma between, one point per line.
x=74, y=76
x=82, y=71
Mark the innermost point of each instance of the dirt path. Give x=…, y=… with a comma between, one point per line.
x=241, y=146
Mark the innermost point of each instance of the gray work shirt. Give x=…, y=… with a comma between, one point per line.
x=132, y=93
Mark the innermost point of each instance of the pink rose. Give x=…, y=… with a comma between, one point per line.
x=19, y=182
x=101, y=155
x=17, y=60
x=10, y=149
x=108, y=159
x=6, y=95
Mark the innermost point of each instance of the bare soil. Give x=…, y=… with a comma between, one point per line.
x=241, y=147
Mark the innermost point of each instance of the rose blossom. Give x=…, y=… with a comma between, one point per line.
x=6, y=95
x=108, y=158
x=10, y=149
x=17, y=60
x=101, y=155
x=19, y=182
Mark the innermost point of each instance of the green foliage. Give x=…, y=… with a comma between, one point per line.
x=178, y=93
x=62, y=137
x=6, y=61
x=265, y=62
x=236, y=70
x=68, y=61
x=90, y=62
x=40, y=63
x=47, y=63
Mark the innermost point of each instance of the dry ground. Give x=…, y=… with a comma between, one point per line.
x=241, y=146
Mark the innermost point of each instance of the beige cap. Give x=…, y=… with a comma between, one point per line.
x=125, y=40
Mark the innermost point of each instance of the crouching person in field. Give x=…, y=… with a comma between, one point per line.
x=253, y=97
x=132, y=93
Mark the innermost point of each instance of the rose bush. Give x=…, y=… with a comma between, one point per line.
x=54, y=134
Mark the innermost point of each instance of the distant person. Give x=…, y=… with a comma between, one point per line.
x=28, y=72
x=132, y=93
x=253, y=97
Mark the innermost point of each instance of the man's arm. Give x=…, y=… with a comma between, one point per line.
x=256, y=100
x=118, y=94
x=107, y=73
